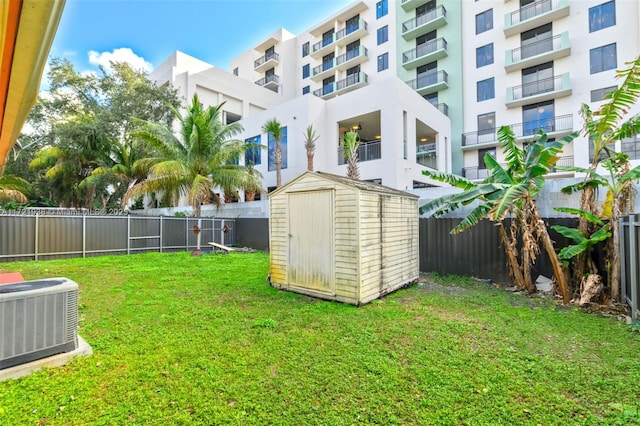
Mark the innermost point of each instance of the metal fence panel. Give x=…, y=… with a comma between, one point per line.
x=50, y=236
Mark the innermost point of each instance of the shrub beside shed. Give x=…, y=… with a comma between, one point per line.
x=341, y=239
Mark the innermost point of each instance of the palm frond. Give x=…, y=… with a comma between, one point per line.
x=476, y=215
x=513, y=154
x=507, y=198
x=571, y=233
x=450, y=178
x=590, y=217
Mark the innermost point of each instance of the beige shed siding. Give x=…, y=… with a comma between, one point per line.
x=371, y=244
x=375, y=238
x=346, y=243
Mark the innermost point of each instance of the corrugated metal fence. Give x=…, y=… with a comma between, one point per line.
x=629, y=262
x=51, y=236
x=477, y=251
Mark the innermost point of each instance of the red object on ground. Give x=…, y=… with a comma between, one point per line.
x=10, y=277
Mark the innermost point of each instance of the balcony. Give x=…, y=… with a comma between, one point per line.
x=267, y=61
x=538, y=91
x=367, y=151
x=352, y=82
x=424, y=53
x=342, y=37
x=430, y=82
x=566, y=161
x=351, y=33
x=423, y=24
x=409, y=5
x=352, y=58
x=537, y=53
x=553, y=127
x=271, y=82
x=324, y=70
x=475, y=173
x=442, y=107
x=534, y=15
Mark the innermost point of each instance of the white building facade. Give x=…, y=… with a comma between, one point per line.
x=425, y=83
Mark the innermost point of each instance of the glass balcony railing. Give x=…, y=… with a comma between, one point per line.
x=418, y=21
x=269, y=80
x=367, y=151
x=562, y=123
x=424, y=49
x=266, y=58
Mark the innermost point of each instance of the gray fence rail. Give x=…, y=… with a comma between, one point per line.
x=629, y=262
x=51, y=236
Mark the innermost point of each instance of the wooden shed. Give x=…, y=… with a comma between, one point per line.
x=341, y=239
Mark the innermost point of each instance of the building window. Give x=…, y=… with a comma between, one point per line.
x=253, y=153
x=305, y=49
x=272, y=148
x=235, y=71
x=305, y=90
x=383, y=62
x=383, y=34
x=537, y=117
x=487, y=126
x=382, y=8
x=603, y=58
x=602, y=16
x=305, y=70
x=599, y=94
x=484, y=21
x=484, y=55
x=486, y=89
x=482, y=153
x=631, y=147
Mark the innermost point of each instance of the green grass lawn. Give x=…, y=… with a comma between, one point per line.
x=184, y=340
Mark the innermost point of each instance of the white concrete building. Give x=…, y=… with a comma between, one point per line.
x=425, y=83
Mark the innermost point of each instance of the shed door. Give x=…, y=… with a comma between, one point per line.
x=311, y=240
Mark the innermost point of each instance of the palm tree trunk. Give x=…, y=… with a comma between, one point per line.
x=310, y=162
x=278, y=158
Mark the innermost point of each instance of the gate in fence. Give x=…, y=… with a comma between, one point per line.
x=52, y=236
x=629, y=262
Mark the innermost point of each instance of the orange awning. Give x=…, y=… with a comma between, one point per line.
x=27, y=32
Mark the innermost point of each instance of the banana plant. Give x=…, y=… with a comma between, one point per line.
x=509, y=190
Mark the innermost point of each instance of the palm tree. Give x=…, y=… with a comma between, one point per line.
x=604, y=127
x=13, y=188
x=510, y=191
x=275, y=129
x=200, y=158
x=351, y=144
x=310, y=138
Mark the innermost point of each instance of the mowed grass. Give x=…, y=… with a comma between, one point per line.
x=180, y=340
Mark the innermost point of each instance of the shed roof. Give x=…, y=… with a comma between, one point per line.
x=342, y=180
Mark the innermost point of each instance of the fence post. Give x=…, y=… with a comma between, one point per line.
x=186, y=233
x=633, y=256
x=84, y=235
x=623, y=258
x=35, y=248
x=161, y=234
x=128, y=234
x=221, y=231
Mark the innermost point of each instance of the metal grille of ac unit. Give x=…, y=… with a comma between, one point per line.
x=37, y=319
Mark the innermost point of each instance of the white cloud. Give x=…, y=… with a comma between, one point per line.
x=123, y=54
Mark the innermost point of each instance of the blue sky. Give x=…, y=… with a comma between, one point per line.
x=214, y=31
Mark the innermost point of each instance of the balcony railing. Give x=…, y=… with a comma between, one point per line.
x=537, y=48
x=266, y=58
x=432, y=15
x=367, y=151
x=351, y=54
x=428, y=148
x=475, y=173
x=556, y=86
x=566, y=161
x=325, y=66
x=361, y=24
x=442, y=107
x=429, y=79
x=424, y=49
x=532, y=10
x=269, y=80
x=342, y=85
x=562, y=123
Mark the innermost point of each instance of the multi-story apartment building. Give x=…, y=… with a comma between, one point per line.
x=531, y=64
x=426, y=83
